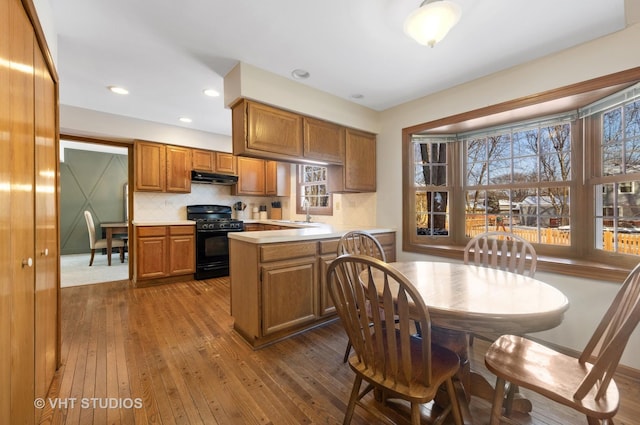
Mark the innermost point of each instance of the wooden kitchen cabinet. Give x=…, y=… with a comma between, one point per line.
x=358, y=174
x=279, y=289
x=178, y=169
x=164, y=251
x=261, y=178
x=251, y=177
x=162, y=168
x=203, y=160
x=288, y=294
x=226, y=163
x=150, y=166
x=323, y=141
x=266, y=132
x=213, y=162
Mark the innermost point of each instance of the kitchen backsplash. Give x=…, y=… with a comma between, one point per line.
x=357, y=208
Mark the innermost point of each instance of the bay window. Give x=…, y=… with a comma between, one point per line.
x=568, y=181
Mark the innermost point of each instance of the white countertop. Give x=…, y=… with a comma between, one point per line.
x=165, y=223
x=304, y=231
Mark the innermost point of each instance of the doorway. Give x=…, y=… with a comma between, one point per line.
x=94, y=177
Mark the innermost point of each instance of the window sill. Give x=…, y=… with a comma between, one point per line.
x=564, y=266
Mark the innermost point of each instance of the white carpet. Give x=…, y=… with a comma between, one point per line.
x=75, y=270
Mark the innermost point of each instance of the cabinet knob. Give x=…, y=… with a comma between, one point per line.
x=28, y=262
x=45, y=253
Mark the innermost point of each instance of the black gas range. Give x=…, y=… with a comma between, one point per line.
x=213, y=222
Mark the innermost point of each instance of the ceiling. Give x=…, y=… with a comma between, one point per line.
x=166, y=52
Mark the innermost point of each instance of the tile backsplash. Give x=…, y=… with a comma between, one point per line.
x=154, y=206
x=356, y=208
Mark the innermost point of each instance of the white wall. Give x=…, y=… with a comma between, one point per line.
x=610, y=54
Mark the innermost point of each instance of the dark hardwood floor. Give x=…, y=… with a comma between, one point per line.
x=168, y=355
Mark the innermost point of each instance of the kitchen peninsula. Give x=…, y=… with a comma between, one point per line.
x=277, y=278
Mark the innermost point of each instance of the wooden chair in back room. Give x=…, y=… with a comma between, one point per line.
x=100, y=243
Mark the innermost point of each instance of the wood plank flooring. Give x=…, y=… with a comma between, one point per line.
x=168, y=355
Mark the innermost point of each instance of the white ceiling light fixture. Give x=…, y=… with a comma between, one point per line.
x=186, y=119
x=118, y=90
x=431, y=22
x=211, y=92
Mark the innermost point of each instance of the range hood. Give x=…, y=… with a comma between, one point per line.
x=213, y=178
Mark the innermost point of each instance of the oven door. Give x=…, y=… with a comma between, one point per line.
x=212, y=253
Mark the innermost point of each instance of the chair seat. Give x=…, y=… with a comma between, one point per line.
x=115, y=243
x=555, y=375
x=444, y=364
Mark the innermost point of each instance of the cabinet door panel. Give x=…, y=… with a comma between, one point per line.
x=182, y=257
x=202, y=160
x=151, y=254
x=226, y=163
x=251, y=179
x=360, y=163
x=273, y=130
x=150, y=167
x=271, y=178
x=178, y=169
x=323, y=141
x=326, y=303
x=288, y=298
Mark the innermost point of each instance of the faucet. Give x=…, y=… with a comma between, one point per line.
x=306, y=206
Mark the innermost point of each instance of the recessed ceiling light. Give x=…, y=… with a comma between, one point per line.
x=118, y=90
x=357, y=96
x=211, y=92
x=186, y=119
x=300, y=74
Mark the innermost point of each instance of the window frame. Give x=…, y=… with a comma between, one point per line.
x=328, y=210
x=581, y=259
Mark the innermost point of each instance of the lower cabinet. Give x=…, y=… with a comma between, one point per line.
x=164, y=251
x=288, y=294
x=279, y=289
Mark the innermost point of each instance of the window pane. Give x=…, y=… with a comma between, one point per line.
x=632, y=119
x=618, y=217
x=612, y=126
x=432, y=213
x=431, y=164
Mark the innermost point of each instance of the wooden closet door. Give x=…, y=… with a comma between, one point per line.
x=46, y=250
x=6, y=259
x=21, y=221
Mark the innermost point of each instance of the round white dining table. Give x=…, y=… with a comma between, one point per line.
x=465, y=298
x=485, y=300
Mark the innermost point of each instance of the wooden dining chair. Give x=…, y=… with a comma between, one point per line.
x=95, y=243
x=359, y=242
x=586, y=383
x=504, y=251
x=392, y=361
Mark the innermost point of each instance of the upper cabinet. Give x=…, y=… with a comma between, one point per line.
x=358, y=174
x=260, y=130
x=323, y=141
x=226, y=163
x=213, y=162
x=261, y=178
x=162, y=168
x=203, y=160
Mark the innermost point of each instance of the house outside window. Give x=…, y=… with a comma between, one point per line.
x=312, y=186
